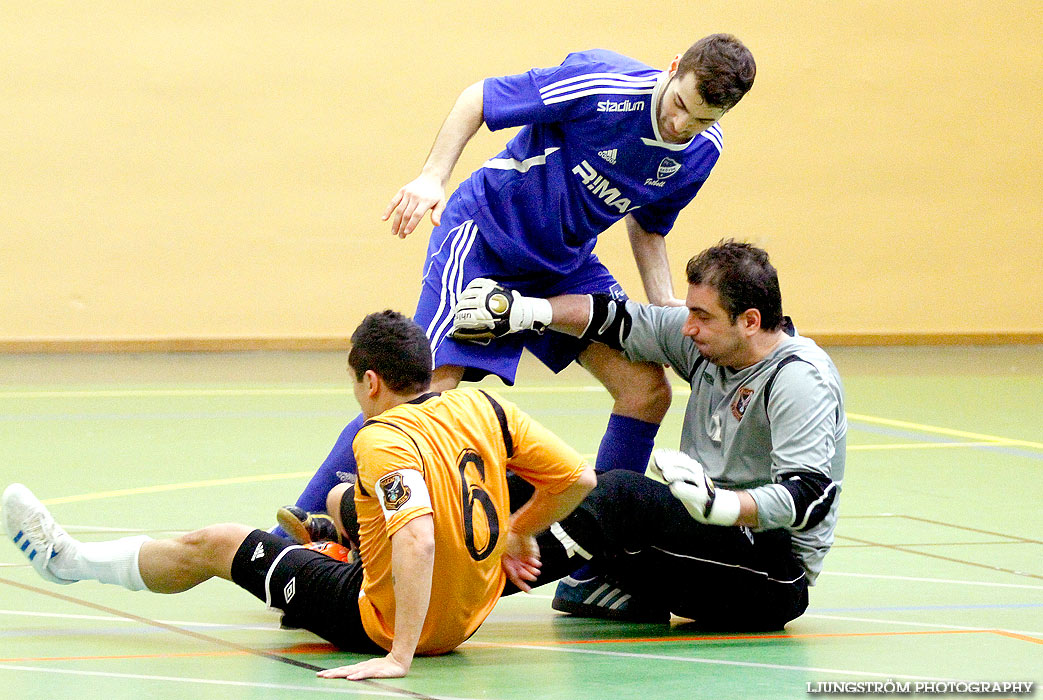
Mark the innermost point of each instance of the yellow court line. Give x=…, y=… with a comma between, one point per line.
x=922, y=446
x=1007, y=442
x=300, y=391
x=159, y=488
x=140, y=393
x=678, y=390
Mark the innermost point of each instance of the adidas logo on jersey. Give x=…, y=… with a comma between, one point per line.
x=602, y=188
x=609, y=156
x=624, y=106
x=258, y=552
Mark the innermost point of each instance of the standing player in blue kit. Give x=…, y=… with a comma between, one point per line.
x=604, y=137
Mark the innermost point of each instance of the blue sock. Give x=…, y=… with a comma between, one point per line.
x=627, y=444
x=340, y=459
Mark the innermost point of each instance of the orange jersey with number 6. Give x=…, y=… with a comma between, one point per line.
x=447, y=455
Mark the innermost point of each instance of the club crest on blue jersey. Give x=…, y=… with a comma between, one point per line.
x=742, y=402
x=667, y=168
x=393, y=491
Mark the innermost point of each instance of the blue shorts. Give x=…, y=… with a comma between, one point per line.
x=458, y=254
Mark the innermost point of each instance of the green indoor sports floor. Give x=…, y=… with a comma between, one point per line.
x=936, y=575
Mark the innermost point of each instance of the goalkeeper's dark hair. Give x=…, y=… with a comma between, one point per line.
x=394, y=347
x=744, y=279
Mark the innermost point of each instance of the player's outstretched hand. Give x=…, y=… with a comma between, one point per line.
x=521, y=560
x=487, y=310
x=415, y=199
x=382, y=667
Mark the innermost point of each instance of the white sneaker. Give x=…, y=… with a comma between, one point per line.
x=33, y=529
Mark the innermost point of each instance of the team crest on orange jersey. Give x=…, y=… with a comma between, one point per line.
x=394, y=491
x=742, y=402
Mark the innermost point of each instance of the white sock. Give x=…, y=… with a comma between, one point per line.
x=115, y=562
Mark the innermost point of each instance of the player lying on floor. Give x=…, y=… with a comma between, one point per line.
x=432, y=510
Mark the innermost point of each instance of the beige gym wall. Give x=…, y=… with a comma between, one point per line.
x=184, y=173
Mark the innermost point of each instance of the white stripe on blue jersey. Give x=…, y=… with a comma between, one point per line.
x=599, y=91
x=622, y=77
x=599, y=83
x=713, y=135
x=522, y=166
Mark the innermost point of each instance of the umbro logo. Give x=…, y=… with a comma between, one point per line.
x=290, y=590
x=609, y=156
x=258, y=552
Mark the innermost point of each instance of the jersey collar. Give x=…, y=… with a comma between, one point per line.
x=660, y=85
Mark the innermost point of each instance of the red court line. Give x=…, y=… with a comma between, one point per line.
x=906, y=550
x=957, y=526
x=1022, y=637
x=762, y=637
x=933, y=544
x=324, y=648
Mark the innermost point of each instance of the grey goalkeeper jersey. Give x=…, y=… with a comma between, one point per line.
x=747, y=443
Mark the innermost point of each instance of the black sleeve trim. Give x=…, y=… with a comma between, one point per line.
x=813, y=495
x=501, y=415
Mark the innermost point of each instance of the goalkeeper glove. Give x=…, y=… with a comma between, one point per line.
x=486, y=310
x=690, y=485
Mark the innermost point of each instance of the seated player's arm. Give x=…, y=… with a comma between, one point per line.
x=562, y=479
x=805, y=411
x=546, y=508
x=653, y=264
x=412, y=564
x=521, y=559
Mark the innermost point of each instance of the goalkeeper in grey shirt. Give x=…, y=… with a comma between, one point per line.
x=732, y=529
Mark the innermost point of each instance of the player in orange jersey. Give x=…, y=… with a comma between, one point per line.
x=438, y=540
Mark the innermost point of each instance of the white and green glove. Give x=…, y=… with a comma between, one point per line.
x=486, y=310
x=693, y=488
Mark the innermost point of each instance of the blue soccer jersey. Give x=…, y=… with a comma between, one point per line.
x=589, y=152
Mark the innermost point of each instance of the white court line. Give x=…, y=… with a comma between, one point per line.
x=716, y=662
x=931, y=625
x=331, y=687
x=828, y=573
x=119, y=530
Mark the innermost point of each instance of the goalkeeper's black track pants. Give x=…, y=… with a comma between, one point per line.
x=724, y=578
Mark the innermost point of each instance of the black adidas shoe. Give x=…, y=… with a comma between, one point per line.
x=600, y=597
x=304, y=527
